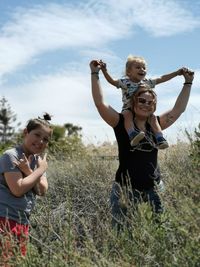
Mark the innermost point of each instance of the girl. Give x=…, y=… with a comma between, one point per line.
x=22, y=177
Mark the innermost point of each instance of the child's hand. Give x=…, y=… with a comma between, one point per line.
x=188, y=75
x=96, y=65
x=180, y=71
x=184, y=70
x=42, y=162
x=187, y=70
x=24, y=164
x=102, y=65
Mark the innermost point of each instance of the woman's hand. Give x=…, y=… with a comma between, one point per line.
x=95, y=66
x=188, y=75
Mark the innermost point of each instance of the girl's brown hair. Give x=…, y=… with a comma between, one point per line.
x=38, y=122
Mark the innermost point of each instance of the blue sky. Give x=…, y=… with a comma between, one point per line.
x=46, y=47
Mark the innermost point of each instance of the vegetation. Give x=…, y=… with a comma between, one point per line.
x=71, y=226
x=66, y=142
x=195, y=147
x=7, y=124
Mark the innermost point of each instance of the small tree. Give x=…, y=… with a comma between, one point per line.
x=195, y=147
x=58, y=132
x=7, y=118
x=66, y=141
x=72, y=129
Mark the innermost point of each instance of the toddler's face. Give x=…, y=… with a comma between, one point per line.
x=137, y=71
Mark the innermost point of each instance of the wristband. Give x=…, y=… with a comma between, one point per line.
x=187, y=83
x=94, y=73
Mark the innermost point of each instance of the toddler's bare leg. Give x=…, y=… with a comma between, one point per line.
x=155, y=124
x=135, y=135
x=128, y=120
x=160, y=140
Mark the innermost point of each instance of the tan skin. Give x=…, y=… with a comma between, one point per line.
x=143, y=110
x=137, y=72
x=111, y=116
x=34, y=143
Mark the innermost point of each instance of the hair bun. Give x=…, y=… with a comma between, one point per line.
x=46, y=116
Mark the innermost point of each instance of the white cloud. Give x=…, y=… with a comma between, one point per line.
x=164, y=18
x=66, y=95
x=89, y=28
x=91, y=25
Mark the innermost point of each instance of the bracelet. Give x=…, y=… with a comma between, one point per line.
x=94, y=73
x=187, y=83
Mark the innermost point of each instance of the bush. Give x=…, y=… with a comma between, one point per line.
x=71, y=226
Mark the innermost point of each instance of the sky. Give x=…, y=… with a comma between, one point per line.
x=46, y=47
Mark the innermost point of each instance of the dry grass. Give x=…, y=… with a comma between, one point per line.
x=71, y=225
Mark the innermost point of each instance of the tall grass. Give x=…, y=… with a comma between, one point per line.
x=71, y=226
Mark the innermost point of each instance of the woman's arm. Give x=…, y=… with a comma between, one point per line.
x=168, y=118
x=108, y=114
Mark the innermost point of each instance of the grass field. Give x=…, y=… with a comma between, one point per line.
x=71, y=225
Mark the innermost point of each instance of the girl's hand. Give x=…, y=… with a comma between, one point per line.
x=24, y=164
x=181, y=70
x=102, y=65
x=42, y=162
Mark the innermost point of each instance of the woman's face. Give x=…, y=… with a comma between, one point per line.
x=144, y=104
x=36, y=140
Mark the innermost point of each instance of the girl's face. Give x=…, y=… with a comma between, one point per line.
x=137, y=71
x=144, y=105
x=36, y=140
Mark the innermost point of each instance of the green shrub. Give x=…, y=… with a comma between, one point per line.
x=71, y=226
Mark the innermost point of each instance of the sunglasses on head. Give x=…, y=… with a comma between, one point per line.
x=143, y=100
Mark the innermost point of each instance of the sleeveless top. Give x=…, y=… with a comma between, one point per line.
x=137, y=165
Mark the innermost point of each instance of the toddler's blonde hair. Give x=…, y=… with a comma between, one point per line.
x=133, y=59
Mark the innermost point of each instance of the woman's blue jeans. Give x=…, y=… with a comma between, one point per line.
x=123, y=199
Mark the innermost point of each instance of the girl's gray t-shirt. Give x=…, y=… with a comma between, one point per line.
x=12, y=207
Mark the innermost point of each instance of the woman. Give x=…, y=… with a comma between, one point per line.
x=137, y=180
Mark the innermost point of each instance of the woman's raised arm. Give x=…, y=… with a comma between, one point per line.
x=168, y=118
x=108, y=114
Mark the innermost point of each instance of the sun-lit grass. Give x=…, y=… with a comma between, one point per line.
x=71, y=226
